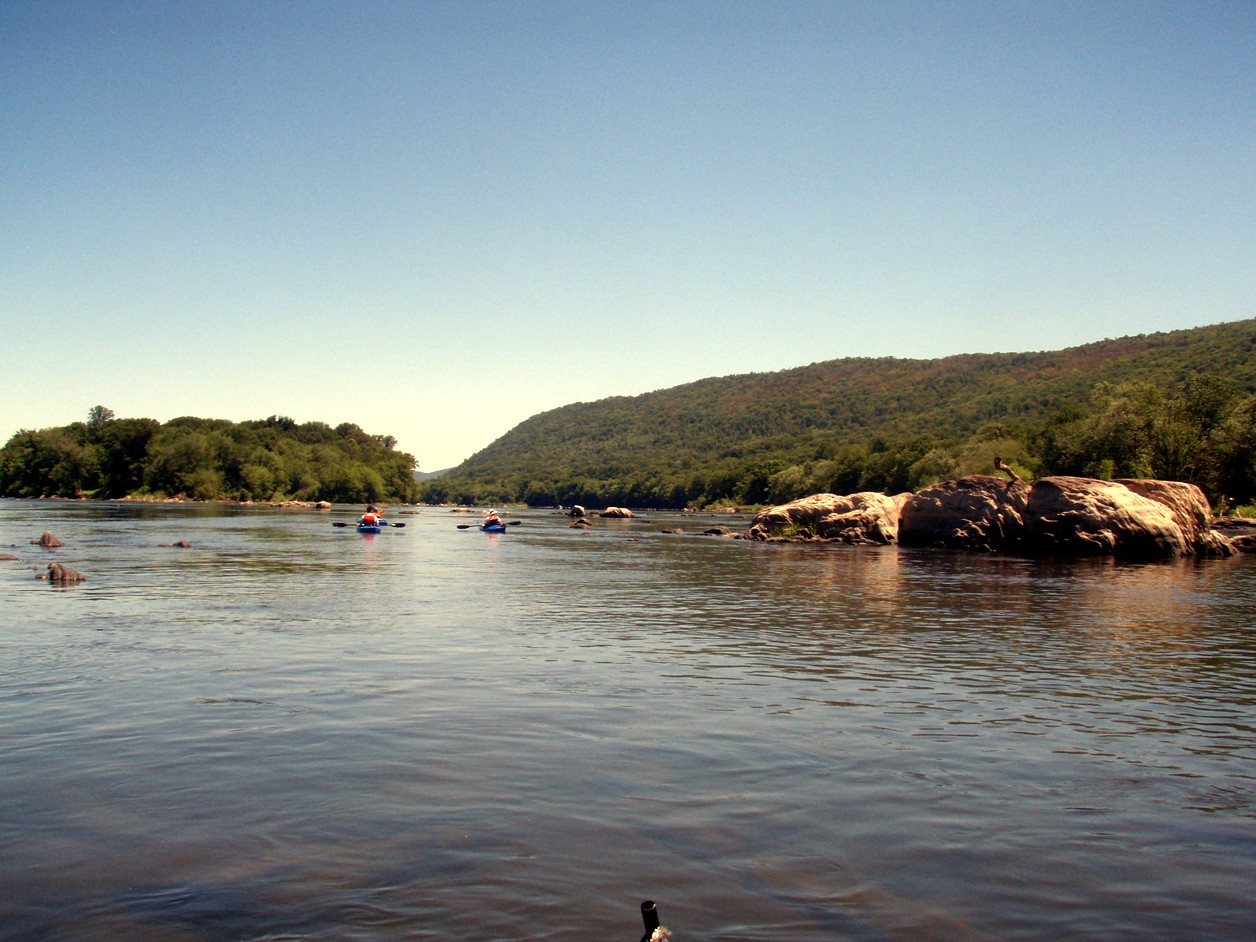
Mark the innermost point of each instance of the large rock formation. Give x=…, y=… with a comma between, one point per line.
x=1057, y=515
x=867, y=518
x=980, y=512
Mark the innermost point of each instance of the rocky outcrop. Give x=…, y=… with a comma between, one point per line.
x=864, y=518
x=1084, y=517
x=617, y=512
x=48, y=541
x=980, y=512
x=1055, y=516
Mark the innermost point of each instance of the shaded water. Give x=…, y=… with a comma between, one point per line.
x=290, y=731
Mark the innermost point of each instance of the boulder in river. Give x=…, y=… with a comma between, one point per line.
x=1056, y=515
x=63, y=575
x=616, y=512
x=1244, y=543
x=979, y=512
x=1190, y=509
x=48, y=540
x=1086, y=517
x=863, y=518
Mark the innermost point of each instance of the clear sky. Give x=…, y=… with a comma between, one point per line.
x=438, y=219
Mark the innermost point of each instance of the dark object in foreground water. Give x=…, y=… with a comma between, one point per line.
x=650, y=916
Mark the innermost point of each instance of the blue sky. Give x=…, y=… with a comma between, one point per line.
x=438, y=219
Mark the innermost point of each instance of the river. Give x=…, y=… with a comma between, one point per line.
x=290, y=731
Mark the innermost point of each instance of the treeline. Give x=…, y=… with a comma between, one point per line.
x=206, y=459
x=1204, y=433
x=1177, y=406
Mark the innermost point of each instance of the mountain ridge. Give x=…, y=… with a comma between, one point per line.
x=810, y=412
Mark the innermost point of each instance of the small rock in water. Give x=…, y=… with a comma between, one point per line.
x=47, y=540
x=63, y=574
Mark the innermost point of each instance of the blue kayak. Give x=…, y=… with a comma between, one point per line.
x=371, y=527
x=493, y=527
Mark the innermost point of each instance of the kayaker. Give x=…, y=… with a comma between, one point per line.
x=492, y=520
x=371, y=517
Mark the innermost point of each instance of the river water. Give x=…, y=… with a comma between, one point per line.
x=291, y=731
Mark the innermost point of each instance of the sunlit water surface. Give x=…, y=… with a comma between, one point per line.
x=291, y=731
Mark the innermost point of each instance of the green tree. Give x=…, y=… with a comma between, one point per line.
x=124, y=447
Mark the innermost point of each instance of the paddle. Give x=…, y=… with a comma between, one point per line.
x=339, y=523
x=506, y=523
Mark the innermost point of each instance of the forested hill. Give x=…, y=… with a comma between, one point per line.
x=862, y=423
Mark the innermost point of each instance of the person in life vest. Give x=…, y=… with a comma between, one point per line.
x=492, y=520
x=372, y=517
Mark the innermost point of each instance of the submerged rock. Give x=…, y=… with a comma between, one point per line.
x=1244, y=543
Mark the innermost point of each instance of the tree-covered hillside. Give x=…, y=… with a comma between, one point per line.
x=1115, y=408
x=205, y=459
